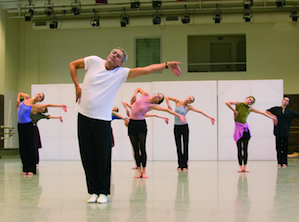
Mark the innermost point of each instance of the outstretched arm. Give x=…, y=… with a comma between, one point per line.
x=126, y=105
x=156, y=107
x=158, y=116
x=230, y=104
x=37, y=107
x=138, y=90
x=56, y=117
x=73, y=66
x=273, y=117
x=173, y=99
x=140, y=71
x=24, y=95
x=203, y=113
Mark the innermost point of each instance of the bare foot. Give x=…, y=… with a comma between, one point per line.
x=278, y=165
x=185, y=169
x=179, y=169
x=246, y=171
x=30, y=174
x=134, y=168
x=24, y=173
x=144, y=175
x=240, y=170
x=284, y=165
x=138, y=175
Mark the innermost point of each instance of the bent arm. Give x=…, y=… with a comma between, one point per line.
x=138, y=90
x=73, y=66
x=172, y=99
x=126, y=105
x=24, y=95
x=140, y=71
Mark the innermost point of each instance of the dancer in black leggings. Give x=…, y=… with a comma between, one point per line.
x=137, y=128
x=182, y=130
x=242, y=132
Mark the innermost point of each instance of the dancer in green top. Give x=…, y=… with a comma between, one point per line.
x=242, y=132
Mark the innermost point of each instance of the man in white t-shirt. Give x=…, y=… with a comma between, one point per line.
x=95, y=99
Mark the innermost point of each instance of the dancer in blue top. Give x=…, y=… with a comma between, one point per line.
x=26, y=131
x=182, y=129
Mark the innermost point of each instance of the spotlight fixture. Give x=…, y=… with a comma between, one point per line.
x=247, y=4
x=247, y=17
x=29, y=15
x=29, y=11
x=185, y=16
x=124, y=19
x=217, y=17
x=95, y=22
x=53, y=24
x=49, y=8
x=135, y=4
x=76, y=7
x=157, y=4
x=157, y=20
x=185, y=19
x=280, y=3
x=294, y=15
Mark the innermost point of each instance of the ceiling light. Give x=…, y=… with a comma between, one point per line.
x=294, y=15
x=185, y=19
x=247, y=4
x=217, y=17
x=49, y=9
x=95, y=22
x=157, y=4
x=247, y=17
x=135, y=4
x=280, y=3
x=53, y=24
x=124, y=19
x=76, y=8
x=29, y=14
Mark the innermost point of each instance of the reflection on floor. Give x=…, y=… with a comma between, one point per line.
x=209, y=191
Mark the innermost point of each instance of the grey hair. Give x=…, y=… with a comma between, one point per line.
x=125, y=57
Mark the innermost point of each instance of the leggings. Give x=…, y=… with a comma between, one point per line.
x=242, y=145
x=137, y=130
x=27, y=147
x=182, y=131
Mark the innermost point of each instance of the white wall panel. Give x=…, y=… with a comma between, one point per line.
x=60, y=139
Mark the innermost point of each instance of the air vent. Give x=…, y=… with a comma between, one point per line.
x=40, y=23
x=172, y=18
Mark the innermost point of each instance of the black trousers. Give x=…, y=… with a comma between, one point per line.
x=27, y=147
x=182, y=132
x=95, y=149
x=282, y=148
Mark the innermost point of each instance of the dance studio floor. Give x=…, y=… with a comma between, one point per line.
x=210, y=191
